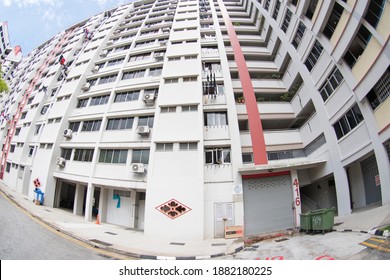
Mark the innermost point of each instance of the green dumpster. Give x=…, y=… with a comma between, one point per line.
x=322, y=219
x=306, y=222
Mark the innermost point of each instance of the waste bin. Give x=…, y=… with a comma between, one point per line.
x=40, y=196
x=322, y=219
x=306, y=222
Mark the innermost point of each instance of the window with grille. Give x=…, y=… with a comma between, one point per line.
x=331, y=84
x=84, y=155
x=381, y=90
x=91, y=125
x=120, y=123
x=286, y=21
x=113, y=156
x=348, y=122
x=107, y=79
x=276, y=10
x=299, y=35
x=99, y=100
x=66, y=153
x=314, y=55
x=126, y=96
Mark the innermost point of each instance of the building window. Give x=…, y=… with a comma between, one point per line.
x=113, y=156
x=331, y=84
x=216, y=119
x=190, y=79
x=126, y=96
x=8, y=167
x=140, y=156
x=333, y=20
x=23, y=116
x=348, y=122
x=146, y=121
x=171, y=80
x=44, y=109
x=133, y=74
x=37, y=129
x=217, y=156
x=31, y=151
x=91, y=125
x=17, y=131
x=286, y=21
x=120, y=124
x=107, y=79
x=381, y=90
x=164, y=147
x=314, y=55
x=139, y=57
x=189, y=108
x=74, y=126
x=82, y=103
x=359, y=43
x=99, y=100
x=155, y=72
x=171, y=109
x=66, y=153
x=247, y=157
x=374, y=12
x=299, y=35
x=276, y=10
x=122, y=193
x=311, y=8
x=115, y=62
x=266, y=6
x=190, y=146
x=12, y=149
x=84, y=155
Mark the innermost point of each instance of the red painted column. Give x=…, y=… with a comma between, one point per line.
x=255, y=127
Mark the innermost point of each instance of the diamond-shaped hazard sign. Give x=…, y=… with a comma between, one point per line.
x=173, y=208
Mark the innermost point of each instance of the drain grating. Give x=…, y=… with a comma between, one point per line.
x=100, y=242
x=281, y=240
x=176, y=243
x=337, y=224
x=218, y=244
x=112, y=233
x=47, y=210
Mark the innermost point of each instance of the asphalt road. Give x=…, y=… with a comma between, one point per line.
x=22, y=238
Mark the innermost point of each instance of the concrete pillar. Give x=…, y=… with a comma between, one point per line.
x=89, y=202
x=103, y=200
x=342, y=190
x=79, y=200
x=296, y=194
x=384, y=172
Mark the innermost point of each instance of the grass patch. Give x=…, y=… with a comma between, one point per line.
x=386, y=228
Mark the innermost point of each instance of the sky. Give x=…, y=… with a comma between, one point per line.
x=33, y=22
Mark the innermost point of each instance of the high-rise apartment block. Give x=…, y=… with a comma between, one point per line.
x=181, y=118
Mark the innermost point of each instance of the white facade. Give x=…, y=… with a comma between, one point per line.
x=179, y=118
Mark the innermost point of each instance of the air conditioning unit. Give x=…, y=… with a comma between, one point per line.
x=68, y=133
x=104, y=53
x=149, y=98
x=159, y=56
x=95, y=69
x=86, y=87
x=163, y=43
x=109, y=43
x=117, y=31
x=60, y=162
x=166, y=29
x=122, y=23
x=138, y=167
x=143, y=130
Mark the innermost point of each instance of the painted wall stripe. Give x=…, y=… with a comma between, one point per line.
x=255, y=127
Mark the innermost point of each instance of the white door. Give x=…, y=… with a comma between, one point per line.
x=223, y=216
x=267, y=204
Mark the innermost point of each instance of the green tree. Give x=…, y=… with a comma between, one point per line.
x=3, y=84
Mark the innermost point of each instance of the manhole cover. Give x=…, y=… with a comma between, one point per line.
x=218, y=244
x=176, y=243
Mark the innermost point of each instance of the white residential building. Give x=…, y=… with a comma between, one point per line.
x=180, y=118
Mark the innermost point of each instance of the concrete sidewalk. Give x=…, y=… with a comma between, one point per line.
x=135, y=244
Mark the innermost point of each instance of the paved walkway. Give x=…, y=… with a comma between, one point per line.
x=135, y=244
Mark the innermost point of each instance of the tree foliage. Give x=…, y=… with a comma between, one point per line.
x=3, y=85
